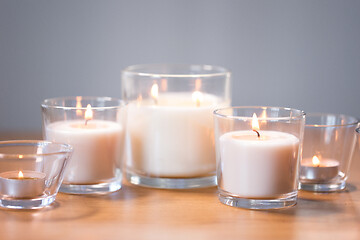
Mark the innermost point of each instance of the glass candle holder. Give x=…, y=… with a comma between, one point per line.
x=329, y=142
x=170, y=123
x=258, y=150
x=94, y=126
x=31, y=173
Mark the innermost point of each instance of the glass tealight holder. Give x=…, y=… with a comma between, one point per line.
x=258, y=151
x=31, y=172
x=329, y=142
x=170, y=123
x=95, y=127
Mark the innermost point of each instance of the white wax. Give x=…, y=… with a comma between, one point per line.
x=30, y=186
x=97, y=148
x=258, y=168
x=175, y=138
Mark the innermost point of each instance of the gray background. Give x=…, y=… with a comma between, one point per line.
x=302, y=54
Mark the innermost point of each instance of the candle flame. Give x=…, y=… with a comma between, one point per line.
x=315, y=161
x=88, y=113
x=139, y=100
x=198, y=84
x=155, y=92
x=21, y=175
x=197, y=97
x=164, y=85
x=21, y=156
x=255, y=123
x=78, y=106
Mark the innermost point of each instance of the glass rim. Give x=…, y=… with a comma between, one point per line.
x=299, y=116
x=16, y=143
x=132, y=70
x=46, y=102
x=317, y=114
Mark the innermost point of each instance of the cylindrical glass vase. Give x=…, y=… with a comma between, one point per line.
x=329, y=143
x=95, y=127
x=258, y=151
x=170, y=123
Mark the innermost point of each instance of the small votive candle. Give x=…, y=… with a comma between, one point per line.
x=314, y=169
x=258, y=157
x=329, y=141
x=22, y=184
x=95, y=127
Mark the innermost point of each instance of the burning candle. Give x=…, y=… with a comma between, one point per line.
x=96, y=147
x=323, y=170
x=157, y=130
x=258, y=164
x=22, y=184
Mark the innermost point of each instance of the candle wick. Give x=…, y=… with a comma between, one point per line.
x=86, y=121
x=258, y=134
x=155, y=101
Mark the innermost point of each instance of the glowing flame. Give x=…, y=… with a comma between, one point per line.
x=21, y=156
x=21, y=175
x=155, y=92
x=198, y=84
x=255, y=123
x=78, y=106
x=315, y=161
x=88, y=113
x=139, y=100
x=164, y=84
x=197, y=98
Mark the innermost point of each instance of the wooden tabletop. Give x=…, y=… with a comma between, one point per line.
x=144, y=213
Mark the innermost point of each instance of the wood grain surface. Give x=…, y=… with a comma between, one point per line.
x=144, y=213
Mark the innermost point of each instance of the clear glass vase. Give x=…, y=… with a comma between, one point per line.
x=170, y=123
x=95, y=127
x=258, y=153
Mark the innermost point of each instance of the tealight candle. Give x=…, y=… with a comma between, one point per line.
x=314, y=169
x=22, y=184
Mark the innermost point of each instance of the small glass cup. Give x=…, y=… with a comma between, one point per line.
x=329, y=142
x=31, y=172
x=258, y=150
x=94, y=126
x=170, y=123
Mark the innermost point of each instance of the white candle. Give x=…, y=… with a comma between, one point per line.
x=97, y=148
x=22, y=184
x=253, y=167
x=315, y=170
x=175, y=137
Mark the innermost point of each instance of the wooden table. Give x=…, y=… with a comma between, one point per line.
x=143, y=213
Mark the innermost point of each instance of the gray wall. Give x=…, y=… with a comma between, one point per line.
x=302, y=54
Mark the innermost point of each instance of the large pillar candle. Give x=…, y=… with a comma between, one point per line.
x=175, y=137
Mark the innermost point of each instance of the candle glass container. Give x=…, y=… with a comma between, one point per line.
x=170, y=140
x=258, y=150
x=329, y=142
x=94, y=126
x=31, y=172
